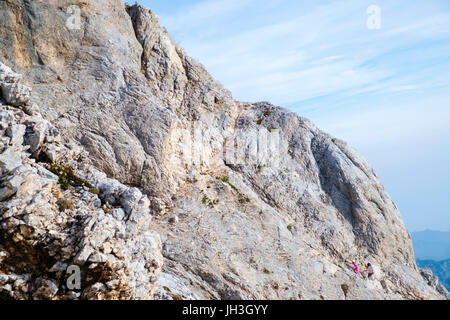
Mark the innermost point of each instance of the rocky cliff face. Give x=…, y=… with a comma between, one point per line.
x=441, y=269
x=123, y=157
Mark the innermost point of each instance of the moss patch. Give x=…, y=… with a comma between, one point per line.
x=94, y=191
x=267, y=113
x=64, y=204
x=224, y=179
x=210, y=203
x=66, y=176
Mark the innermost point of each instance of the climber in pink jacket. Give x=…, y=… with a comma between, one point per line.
x=356, y=268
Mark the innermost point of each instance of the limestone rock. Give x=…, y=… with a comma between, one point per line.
x=7, y=75
x=16, y=133
x=45, y=289
x=433, y=281
x=6, y=119
x=16, y=94
x=119, y=253
x=10, y=160
x=176, y=182
x=14, y=286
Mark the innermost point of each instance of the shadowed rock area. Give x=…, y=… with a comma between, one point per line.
x=121, y=155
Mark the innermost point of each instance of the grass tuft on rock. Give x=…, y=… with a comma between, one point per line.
x=67, y=177
x=210, y=203
x=224, y=179
x=94, y=191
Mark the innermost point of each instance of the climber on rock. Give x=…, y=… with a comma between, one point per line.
x=370, y=269
x=356, y=268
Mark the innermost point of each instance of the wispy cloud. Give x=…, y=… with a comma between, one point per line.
x=319, y=50
x=205, y=12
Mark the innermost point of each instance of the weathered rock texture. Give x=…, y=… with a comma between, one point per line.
x=249, y=200
x=100, y=225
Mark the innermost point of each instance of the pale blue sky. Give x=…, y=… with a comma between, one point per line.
x=386, y=91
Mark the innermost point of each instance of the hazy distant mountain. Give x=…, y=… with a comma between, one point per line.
x=431, y=245
x=440, y=269
x=432, y=250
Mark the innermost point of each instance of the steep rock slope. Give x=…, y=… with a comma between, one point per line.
x=250, y=200
x=90, y=78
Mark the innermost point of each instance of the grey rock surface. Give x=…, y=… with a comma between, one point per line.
x=440, y=269
x=45, y=229
x=16, y=94
x=191, y=195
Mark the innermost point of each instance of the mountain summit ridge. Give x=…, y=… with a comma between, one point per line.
x=175, y=190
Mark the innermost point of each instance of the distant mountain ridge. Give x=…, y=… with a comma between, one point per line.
x=432, y=250
x=431, y=245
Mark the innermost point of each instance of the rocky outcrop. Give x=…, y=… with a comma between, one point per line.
x=286, y=228
x=435, y=271
x=46, y=228
x=249, y=200
x=106, y=74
